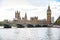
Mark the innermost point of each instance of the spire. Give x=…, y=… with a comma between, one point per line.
x=25, y=16
x=17, y=11
x=48, y=8
x=17, y=15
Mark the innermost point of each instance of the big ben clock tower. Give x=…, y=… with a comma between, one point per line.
x=48, y=15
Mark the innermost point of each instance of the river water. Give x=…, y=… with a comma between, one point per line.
x=30, y=34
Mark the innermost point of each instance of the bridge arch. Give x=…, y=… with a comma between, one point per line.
x=7, y=26
x=20, y=26
x=37, y=25
x=44, y=25
x=30, y=25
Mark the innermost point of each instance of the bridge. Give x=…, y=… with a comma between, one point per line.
x=25, y=25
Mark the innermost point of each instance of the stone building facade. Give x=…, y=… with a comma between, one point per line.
x=48, y=15
x=33, y=20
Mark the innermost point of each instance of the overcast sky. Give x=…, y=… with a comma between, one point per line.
x=31, y=7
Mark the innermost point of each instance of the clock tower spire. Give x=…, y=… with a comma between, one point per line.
x=48, y=15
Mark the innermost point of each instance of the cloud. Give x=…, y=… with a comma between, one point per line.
x=38, y=2
x=55, y=9
x=31, y=7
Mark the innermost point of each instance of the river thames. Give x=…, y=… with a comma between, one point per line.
x=30, y=33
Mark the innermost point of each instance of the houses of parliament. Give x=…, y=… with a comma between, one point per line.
x=33, y=20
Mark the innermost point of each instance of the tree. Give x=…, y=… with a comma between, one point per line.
x=1, y=23
x=58, y=22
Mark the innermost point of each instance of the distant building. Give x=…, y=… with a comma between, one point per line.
x=52, y=19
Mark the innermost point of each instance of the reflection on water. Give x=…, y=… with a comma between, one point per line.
x=30, y=34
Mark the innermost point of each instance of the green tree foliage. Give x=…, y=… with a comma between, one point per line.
x=55, y=22
x=1, y=23
x=58, y=22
